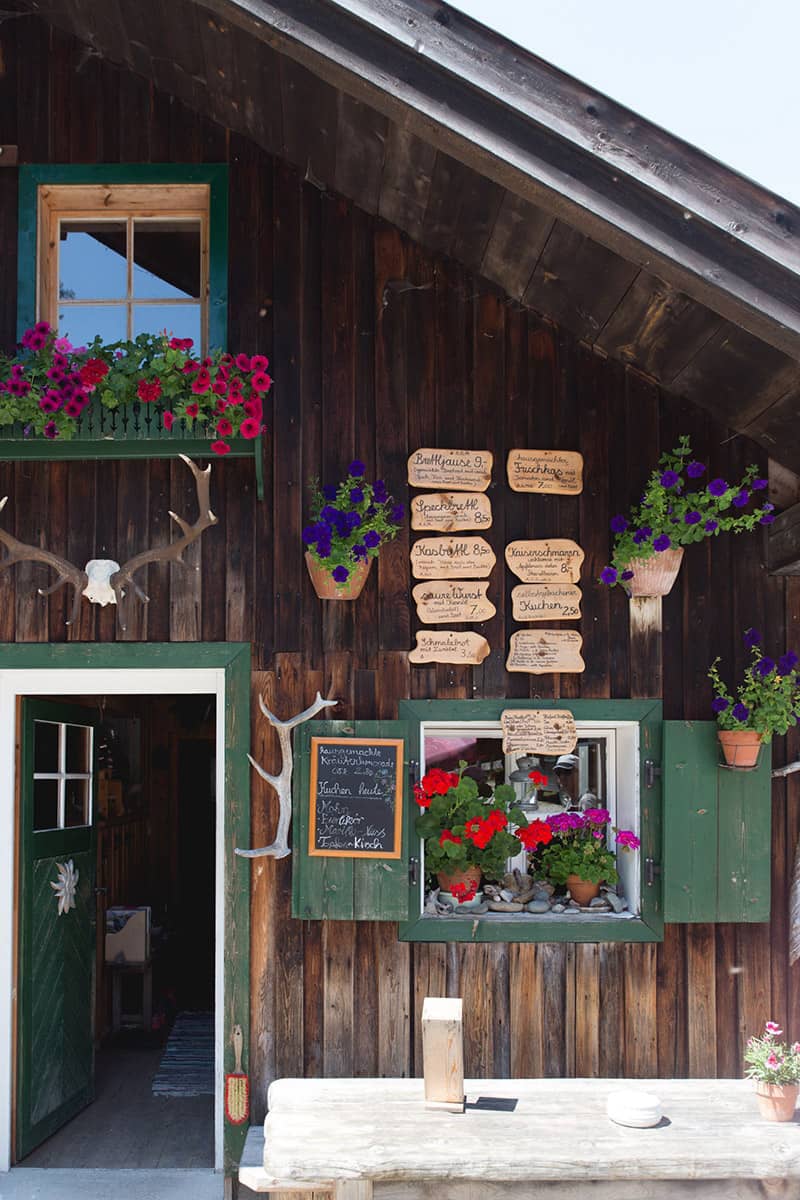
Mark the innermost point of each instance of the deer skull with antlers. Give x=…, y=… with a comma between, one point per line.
x=103, y=580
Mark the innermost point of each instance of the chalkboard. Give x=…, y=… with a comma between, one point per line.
x=356, y=801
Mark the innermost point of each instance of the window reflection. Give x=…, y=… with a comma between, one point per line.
x=166, y=260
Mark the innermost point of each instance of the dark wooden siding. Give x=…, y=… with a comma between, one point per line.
x=378, y=347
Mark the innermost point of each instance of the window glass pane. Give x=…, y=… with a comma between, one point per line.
x=92, y=264
x=76, y=802
x=45, y=747
x=78, y=749
x=179, y=320
x=166, y=260
x=45, y=804
x=83, y=323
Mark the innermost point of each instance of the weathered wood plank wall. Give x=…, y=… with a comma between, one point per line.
x=379, y=347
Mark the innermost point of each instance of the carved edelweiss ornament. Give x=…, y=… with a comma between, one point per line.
x=66, y=886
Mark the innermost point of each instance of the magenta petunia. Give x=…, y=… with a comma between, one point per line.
x=250, y=427
x=220, y=448
x=242, y=362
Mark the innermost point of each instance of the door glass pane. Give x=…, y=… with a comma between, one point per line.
x=45, y=804
x=45, y=747
x=83, y=323
x=179, y=320
x=76, y=802
x=78, y=749
x=166, y=260
x=92, y=263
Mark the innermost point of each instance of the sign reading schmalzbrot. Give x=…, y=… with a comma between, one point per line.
x=452, y=558
x=356, y=797
x=538, y=731
x=541, y=651
x=444, y=646
x=551, y=560
x=546, y=602
x=443, y=601
x=456, y=470
x=545, y=471
x=447, y=512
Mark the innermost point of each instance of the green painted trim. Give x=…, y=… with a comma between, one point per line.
x=744, y=841
x=649, y=927
x=234, y=659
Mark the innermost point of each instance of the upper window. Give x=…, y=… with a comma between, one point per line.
x=119, y=260
x=62, y=775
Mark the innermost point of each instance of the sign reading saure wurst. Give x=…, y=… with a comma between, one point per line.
x=551, y=560
x=452, y=558
x=449, y=601
x=558, y=471
x=356, y=797
x=546, y=602
x=448, y=512
x=457, y=470
x=541, y=651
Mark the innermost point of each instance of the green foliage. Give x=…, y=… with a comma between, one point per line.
x=591, y=860
x=768, y=698
x=350, y=521
x=771, y=1061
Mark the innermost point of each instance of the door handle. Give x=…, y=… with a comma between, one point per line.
x=101, y=891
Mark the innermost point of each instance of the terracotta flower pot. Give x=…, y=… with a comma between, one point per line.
x=468, y=877
x=654, y=576
x=581, y=890
x=326, y=586
x=776, y=1101
x=740, y=747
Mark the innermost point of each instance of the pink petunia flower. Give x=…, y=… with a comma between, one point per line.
x=220, y=447
x=773, y=1029
x=63, y=345
x=250, y=427
x=772, y=1061
x=242, y=362
x=168, y=420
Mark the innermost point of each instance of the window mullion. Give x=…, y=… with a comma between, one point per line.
x=62, y=767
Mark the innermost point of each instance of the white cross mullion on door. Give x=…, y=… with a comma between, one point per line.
x=62, y=767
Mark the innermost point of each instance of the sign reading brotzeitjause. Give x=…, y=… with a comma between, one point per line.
x=538, y=731
x=456, y=470
x=452, y=558
x=445, y=600
x=445, y=646
x=546, y=602
x=551, y=560
x=448, y=512
x=542, y=651
x=558, y=471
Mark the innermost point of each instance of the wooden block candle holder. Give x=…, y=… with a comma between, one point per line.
x=443, y=1053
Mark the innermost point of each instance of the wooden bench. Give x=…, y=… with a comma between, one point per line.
x=540, y=1139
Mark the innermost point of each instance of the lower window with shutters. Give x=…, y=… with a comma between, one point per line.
x=704, y=830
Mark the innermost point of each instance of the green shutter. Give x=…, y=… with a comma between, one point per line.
x=716, y=830
x=345, y=889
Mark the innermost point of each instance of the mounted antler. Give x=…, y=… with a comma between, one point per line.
x=102, y=581
x=174, y=550
x=282, y=783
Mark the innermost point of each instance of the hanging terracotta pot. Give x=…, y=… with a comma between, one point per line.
x=581, y=890
x=740, y=747
x=467, y=877
x=776, y=1101
x=654, y=576
x=326, y=586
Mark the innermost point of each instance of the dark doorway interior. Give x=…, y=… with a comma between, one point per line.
x=154, y=815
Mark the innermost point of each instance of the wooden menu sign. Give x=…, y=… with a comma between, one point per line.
x=447, y=512
x=538, y=731
x=456, y=470
x=552, y=560
x=356, y=797
x=546, y=602
x=545, y=471
x=447, y=601
x=542, y=651
x=444, y=646
x=452, y=558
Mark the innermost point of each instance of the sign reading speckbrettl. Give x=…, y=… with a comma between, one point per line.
x=356, y=797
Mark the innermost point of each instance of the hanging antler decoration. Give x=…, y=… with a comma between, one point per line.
x=103, y=581
x=282, y=783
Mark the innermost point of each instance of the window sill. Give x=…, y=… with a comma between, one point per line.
x=527, y=927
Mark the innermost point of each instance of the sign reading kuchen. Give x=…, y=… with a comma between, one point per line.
x=356, y=797
x=540, y=651
x=545, y=471
x=446, y=512
x=546, y=602
x=552, y=560
x=452, y=558
x=538, y=731
x=457, y=470
x=450, y=600
x=445, y=646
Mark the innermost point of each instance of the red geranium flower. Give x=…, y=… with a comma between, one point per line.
x=92, y=371
x=538, y=833
x=148, y=392
x=447, y=835
x=169, y=420
x=419, y=795
x=479, y=832
x=462, y=892
x=438, y=782
x=538, y=778
x=220, y=447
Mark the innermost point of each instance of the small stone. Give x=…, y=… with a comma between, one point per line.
x=559, y=908
x=538, y=906
x=599, y=902
x=507, y=894
x=508, y=906
x=617, y=902
x=470, y=910
x=573, y=904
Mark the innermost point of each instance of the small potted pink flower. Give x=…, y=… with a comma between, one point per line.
x=775, y=1067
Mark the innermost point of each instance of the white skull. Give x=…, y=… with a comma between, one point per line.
x=99, y=589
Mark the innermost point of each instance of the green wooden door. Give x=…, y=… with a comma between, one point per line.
x=55, y=1044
